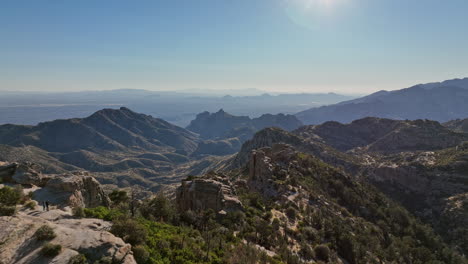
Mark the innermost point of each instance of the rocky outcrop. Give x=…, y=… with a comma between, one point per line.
x=78, y=190
x=217, y=194
x=22, y=173
x=268, y=167
x=76, y=236
x=75, y=189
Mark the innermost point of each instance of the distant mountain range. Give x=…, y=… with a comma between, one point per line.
x=179, y=108
x=442, y=102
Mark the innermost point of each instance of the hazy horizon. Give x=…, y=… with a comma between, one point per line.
x=288, y=46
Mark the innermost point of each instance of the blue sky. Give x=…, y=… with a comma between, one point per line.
x=347, y=46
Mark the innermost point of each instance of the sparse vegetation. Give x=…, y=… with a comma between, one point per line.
x=30, y=205
x=7, y=210
x=10, y=196
x=78, y=212
x=78, y=259
x=51, y=250
x=119, y=197
x=45, y=232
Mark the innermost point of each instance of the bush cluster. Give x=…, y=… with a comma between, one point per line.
x=45, y=232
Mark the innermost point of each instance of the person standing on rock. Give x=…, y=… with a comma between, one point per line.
x=47, y=205
x=43, y=205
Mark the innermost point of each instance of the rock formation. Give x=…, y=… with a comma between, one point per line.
x=22, y=173
x=271, y=169
x=217, y=194
x=77, y=189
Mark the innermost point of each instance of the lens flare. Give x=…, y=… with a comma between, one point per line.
x=313, y=13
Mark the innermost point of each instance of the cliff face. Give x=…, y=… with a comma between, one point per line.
x=216, y=193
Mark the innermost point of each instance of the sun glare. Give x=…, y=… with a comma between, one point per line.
x=313, y=13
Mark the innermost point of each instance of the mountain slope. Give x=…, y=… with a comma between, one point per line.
x=384, y=135
x=296, y=206
x=108, y=129
x=459, y=125
x=436, y=101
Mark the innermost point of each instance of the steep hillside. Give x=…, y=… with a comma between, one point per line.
x=459, y=125
x=384, y=135
x=298, y=209
x=436, y=101
x=420, y=164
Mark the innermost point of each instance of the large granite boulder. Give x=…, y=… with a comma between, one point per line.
x=79, y=190
x=202, y=194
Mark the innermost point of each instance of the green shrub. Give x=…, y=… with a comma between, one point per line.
x=141, y=254
x=322, y=252
x=51, y=250
x=306, y=252
x=45, y=232
x=159, y=208
x=7, y=210
x=291, y=213
x=10, y=196
x=129, y=230
x=78, y=212
x=118, y=197
x=30, y=205
x=78, y=259
x=102, y=212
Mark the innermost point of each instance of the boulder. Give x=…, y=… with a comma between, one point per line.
x=203, y=194
x=78, y=189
